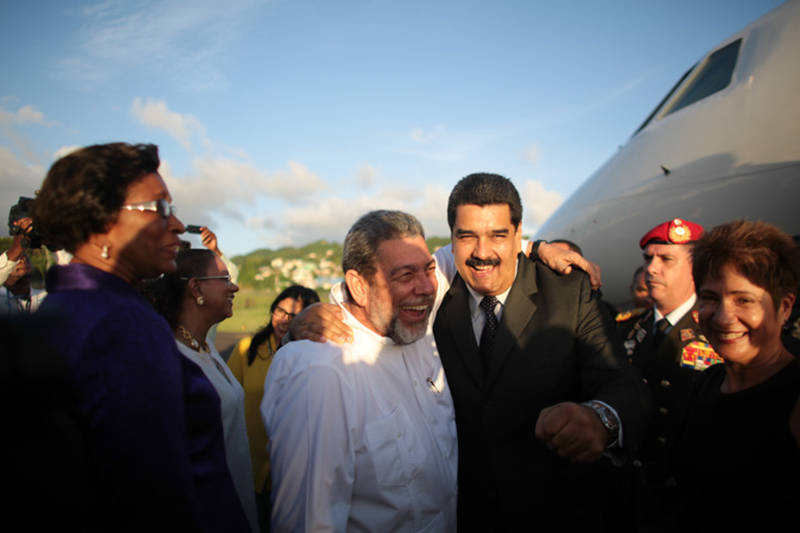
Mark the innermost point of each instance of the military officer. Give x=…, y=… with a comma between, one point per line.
x=665, y=342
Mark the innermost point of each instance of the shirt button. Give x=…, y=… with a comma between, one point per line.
x=415, y=382
x=664, y=383
x=399, y=434
x=661, y=440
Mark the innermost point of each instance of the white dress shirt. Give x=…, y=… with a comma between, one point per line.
x=362, y=435
x=676, y=315
x=11, y=304
x=6, y=267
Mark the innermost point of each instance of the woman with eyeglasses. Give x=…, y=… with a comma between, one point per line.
x=150, y=419
x=250, y=362
x=197, y=295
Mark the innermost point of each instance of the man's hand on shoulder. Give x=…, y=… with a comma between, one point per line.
x=562, y=262
x=320, y=322
x=572, y=430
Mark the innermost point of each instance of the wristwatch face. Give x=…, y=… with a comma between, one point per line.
x=610, y=420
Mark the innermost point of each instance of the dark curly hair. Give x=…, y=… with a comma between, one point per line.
x=295, y=292
x=83, y=191
x=166, y=293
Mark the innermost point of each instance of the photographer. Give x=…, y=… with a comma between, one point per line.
x=10, y=258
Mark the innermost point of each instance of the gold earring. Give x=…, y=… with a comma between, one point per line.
x=200, y=300
x=104, y=253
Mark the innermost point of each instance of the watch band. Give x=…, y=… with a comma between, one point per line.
x=535, y=249
x=608, y=419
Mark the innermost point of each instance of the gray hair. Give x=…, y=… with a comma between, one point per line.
x=369, y=231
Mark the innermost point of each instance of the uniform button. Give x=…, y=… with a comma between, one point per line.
x=637, y=463
x=662, y=440
x=645, y=380
x=663, y=410
x=664, y=383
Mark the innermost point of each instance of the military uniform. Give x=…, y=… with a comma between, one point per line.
x=669, y=370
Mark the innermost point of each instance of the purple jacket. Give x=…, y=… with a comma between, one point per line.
x=150, y=417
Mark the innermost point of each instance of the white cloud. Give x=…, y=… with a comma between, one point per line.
x=332, y=218
x=531, y=153
x=365, y=177
x=17, y=178
x=27, y=114
x=160, y=36
x=220, y=186
x=295, y=184
x=156, y=114
x=420, y=136
x=65, y=150
x=538, y=204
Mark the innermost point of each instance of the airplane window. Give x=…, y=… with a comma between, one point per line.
x=713, y=76
x=663, y=101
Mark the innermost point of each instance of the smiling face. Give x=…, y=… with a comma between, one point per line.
x=283, y=315
x=668, y=274
x=740, y=320
x=217, y=293
x=485, y=246
x=143, y=244
x=401, y=293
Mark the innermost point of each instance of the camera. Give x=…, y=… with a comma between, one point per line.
x=18, y=211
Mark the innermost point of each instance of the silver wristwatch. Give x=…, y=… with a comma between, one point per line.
x=608, y=419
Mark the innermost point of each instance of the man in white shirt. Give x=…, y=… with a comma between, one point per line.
x=17, y=297
x=362, y=435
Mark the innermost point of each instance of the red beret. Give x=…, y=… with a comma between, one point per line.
x=674, y=231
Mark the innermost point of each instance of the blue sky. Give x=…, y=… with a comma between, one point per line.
x=280, y=122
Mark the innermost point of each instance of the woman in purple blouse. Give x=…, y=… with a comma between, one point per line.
x=150, y=418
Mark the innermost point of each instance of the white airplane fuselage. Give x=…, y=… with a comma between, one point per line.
x=732, y=154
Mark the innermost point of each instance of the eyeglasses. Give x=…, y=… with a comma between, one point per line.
x=159, y=206
x=280, y=314
x=226, y=278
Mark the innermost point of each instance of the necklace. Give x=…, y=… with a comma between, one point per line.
x=269, y=347
x=192, y=341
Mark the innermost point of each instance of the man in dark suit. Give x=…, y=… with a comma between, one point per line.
x=539, y=383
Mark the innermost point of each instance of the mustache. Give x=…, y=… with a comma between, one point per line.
x=475, y=262
x=649, y=279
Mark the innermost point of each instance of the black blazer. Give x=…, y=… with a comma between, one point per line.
x=555, y=343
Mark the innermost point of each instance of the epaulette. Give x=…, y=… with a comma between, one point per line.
x=632, y=313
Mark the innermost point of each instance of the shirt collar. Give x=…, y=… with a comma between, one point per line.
x=675, y=316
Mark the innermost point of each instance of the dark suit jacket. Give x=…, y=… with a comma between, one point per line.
x=555, y=343
x=670, y=383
